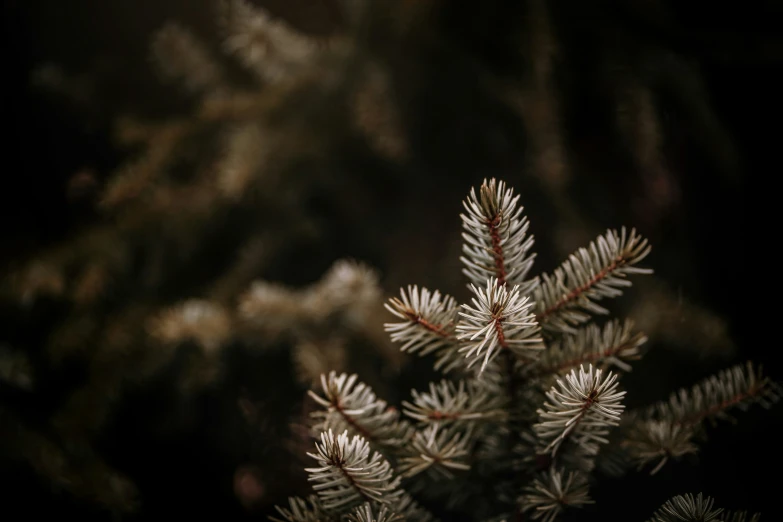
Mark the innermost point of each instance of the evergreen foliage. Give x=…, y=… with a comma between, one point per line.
x=530, y=411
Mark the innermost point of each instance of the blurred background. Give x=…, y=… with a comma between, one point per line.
x=207, y=202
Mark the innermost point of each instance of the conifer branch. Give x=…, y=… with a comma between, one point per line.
x=613, y=345
x=586, y=405
x=737, y=387
x=303, y=510
x=658, y=441
x=449, y=402
x=265, y=45
x=367, y=513
x=436, y=448
x=429, y=322
x=496, y=242
x=499, y=319
x=552, y=492
x=687, y=508
x=666, y=430
x=348, y=474
x=484, y=425
x=568, y=296
x=352, y=406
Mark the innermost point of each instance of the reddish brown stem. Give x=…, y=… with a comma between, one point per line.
x=728, y=403
x=438, y=416
x=497, y=249
x=501, y=336
x=351, y=422
x=578, y=291
x=432, y=327
x=340, y=464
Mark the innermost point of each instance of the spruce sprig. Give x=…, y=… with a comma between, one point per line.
x=530, y=401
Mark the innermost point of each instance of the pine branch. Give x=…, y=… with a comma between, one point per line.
x=496, y=243
x=667, y=429
x=484, y=425
x=265, y=45
x=496, y=252
x=367, y=513
x=568, y=296
x=429, y=321
x=304, y=510
x=438, y=449
x=203, y=322
x=688, y=509
x=613, y=345
x=552, y=492
x=658, y=440
x=348, y=286
x=347, y=474
x=270, y=308
x=584, y=408
x=449, y=402
x=737, y=387
x=499, y=319
x=352, y=406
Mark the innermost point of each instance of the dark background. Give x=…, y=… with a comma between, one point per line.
x=702, y=248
